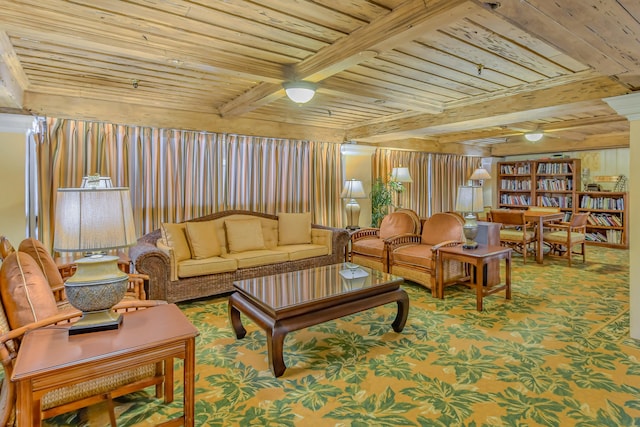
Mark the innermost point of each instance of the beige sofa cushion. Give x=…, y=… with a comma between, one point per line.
x=175, y=236
x=244, y=235
x=297, y=252
x=203, y=239
x=201, y=267
x=258, y=257
x=294, y=228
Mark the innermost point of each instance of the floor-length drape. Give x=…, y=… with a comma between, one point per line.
x=448, y=172
x=175, y=175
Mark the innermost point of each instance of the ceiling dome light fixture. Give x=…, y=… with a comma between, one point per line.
x=299, y=92
x=533, y=136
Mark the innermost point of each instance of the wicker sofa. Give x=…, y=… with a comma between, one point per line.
x=228, y=246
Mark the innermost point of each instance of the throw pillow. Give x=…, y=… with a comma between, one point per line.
x=36, y=249
x=176, y=238
x=294, y=228
x=26, y=295
x=244, y=235
x=203, y=239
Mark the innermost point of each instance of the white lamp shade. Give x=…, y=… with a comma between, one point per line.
x=300, y=92
x=401, y=175
x=469, y=199
x=480, y=174
x=89, y=219
x=353, y=190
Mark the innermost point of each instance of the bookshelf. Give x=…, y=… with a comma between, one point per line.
x=607, y=224
x=515, y=184
x=544, y=182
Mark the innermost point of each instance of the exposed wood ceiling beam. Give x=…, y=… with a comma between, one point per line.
x=511, y=109
x=551, y=145
x=13, y=80
x=402, y=24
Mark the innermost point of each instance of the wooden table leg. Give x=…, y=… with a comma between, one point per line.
x=479, y=283
x=275, y=349
x=508, y=274
x=189, y=383
x=403, y=312
x=539, y=242
x=234, y=318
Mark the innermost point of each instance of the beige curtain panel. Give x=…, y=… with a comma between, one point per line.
x=176, y=175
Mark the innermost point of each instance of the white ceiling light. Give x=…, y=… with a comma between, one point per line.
x=299, y=92
x=533, y=136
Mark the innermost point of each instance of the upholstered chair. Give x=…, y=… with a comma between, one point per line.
x=414, y=257
x=28, y=302
x=562, y=237
x=515, y=231
x=368, y=245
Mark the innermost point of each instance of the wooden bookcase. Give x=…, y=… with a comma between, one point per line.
x=608, y=220
x=545, y=182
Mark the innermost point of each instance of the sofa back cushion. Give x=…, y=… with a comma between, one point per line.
x=294, y=228
x=203, y=239
x=441, y=227
x=26, y=295
x=38, y=252
x=397, y=223
x=244, y=235
x=175, y=236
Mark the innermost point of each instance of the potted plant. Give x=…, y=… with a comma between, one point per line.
x=380, y=201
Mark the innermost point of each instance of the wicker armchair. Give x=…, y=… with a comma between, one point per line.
x=414, y=257
x=369, y=245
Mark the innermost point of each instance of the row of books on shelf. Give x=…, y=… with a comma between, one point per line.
x=555, y=184
x=522, y=169
x=610, y=203
x=605, y=219
x=554, y=168
x=610, y=236
x=556, y=201
x=510, y=199
x=515, y=184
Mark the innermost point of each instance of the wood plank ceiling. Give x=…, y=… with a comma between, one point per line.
x=459, y=76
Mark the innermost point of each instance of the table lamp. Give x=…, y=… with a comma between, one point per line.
x=469, y=201
x=400, y=175
x=92, y=221
x=353, y=190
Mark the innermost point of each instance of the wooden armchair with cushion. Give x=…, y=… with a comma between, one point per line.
x=515, y=231
x=562, y=237
x=28, y=302
x=369, y=245
x=414, y=257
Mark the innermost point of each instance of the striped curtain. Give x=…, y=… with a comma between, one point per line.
x=448, y=172
x=175, y=175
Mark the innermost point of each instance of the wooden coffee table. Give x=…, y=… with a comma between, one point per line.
x=287, y=302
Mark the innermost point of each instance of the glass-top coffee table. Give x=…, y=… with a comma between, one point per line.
x=287, y=302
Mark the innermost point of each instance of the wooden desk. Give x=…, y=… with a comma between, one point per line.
x=478, y=257
x=50, y=358
x=540, y=218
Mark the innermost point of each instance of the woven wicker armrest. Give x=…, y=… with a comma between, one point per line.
x=365, y=233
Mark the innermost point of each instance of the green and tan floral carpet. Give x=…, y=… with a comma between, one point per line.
x=557, y=354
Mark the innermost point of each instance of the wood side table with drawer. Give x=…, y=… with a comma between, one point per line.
x=49, y=357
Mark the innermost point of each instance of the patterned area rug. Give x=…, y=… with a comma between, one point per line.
x=557, y=354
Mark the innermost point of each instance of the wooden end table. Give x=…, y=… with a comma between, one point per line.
x=477, y=258
x=50, y=358
x=287, y=302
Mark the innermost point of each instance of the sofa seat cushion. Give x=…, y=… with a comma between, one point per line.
x=370, y=247
x=297, y=252
x=200, y=267
x=414, y=255
x=258, y=257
